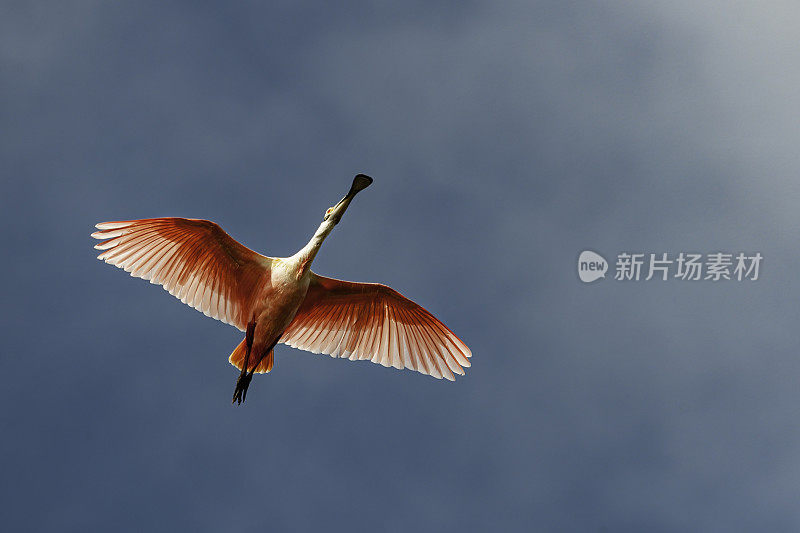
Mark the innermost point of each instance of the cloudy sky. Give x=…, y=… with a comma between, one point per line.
x=504, y=139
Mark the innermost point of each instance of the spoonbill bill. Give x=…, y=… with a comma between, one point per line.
x=279, y=299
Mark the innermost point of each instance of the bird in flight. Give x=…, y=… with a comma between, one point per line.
x=279, y=299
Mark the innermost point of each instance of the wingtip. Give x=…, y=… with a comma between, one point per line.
x=113, y=224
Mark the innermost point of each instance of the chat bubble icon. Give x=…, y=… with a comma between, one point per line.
x=591, y=266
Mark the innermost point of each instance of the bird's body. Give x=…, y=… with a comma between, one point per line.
x=280, y=299
x=279, y=295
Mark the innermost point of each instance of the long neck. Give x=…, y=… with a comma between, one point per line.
x=306, y=254
x=332, y=216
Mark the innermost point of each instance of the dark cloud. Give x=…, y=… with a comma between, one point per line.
x=503, y=141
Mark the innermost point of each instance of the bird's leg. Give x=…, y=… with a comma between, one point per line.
x=244, y=377
x=240, y=394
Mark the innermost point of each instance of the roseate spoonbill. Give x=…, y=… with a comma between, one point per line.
x=279, y=299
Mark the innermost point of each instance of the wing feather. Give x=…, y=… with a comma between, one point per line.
x=194, y=260
x=414, y=350
x=361, y=321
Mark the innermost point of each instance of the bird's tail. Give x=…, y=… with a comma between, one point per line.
x=237, y=359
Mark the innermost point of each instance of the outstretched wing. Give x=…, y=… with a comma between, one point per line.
x=195, y=260
x=372, y=321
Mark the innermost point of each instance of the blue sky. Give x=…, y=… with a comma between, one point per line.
x=503, y=139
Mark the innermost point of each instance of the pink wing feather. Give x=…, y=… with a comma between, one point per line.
x=370, y=321
x=195, y=260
